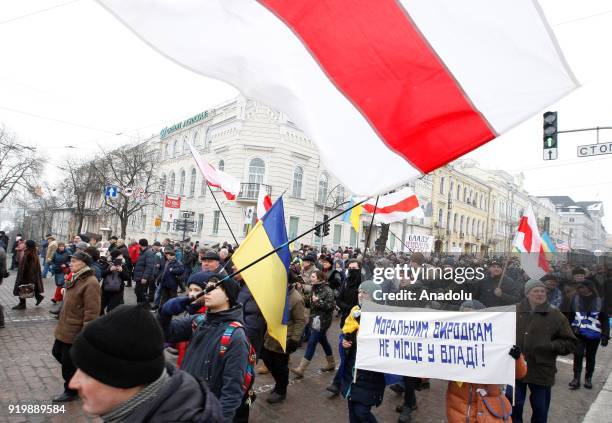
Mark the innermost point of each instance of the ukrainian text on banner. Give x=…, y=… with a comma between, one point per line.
x=461, y=346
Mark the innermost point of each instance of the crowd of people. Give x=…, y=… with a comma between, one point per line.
x=112, y=355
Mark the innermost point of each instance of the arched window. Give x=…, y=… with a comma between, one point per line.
x=440, y=214
x=473, y=227
x=182, y=183
x=172, y=183
x=203, y=187
x=465, y=194
x=461, y=224
x=298, y=176
x=162, y=183
x=450, y=190
x=168, y=150
x=185, y=146
x=175, y=150
x=458, y=191
x=467, y=225
x=257, y=170
x=192, y=182
x=195, y=139
x=322, y=193
x=221, y=165
x=455, y=223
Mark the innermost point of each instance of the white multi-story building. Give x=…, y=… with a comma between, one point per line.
x=265, y=150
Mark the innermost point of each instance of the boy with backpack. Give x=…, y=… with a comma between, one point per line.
x=219, y=351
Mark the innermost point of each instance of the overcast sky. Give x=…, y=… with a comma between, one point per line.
x=73, y=75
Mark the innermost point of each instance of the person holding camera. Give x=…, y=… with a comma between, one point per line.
x=272, y=354
x=114, y=278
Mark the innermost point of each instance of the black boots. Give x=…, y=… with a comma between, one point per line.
x=575, y=383
x=588, y=384
x=333, y=388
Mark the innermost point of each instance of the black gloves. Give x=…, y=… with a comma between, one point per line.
x=515, y=352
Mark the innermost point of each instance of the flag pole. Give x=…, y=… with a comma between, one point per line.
x=403, y=243
x=222, y=214
x=303, y=234
x=370, y=230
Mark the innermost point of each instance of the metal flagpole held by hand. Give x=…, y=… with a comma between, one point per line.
x=222, y=214
x=289, y=242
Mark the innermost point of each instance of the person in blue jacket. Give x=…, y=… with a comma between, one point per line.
x=218, y=351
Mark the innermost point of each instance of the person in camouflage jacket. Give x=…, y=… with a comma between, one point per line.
x=322, y=304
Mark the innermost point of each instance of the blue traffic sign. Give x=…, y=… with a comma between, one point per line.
x=111, y=191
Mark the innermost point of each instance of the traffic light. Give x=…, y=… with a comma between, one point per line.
x=325, y=225
x=318, y=231
x=550, y=130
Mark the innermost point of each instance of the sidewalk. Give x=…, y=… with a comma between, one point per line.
x=600, y=409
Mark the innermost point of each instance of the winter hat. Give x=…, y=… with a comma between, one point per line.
x=211, y=255
x=231, y=289
x=588, y=284
x=84, y=257
x=328, y=259
x=82, y=245
x=30, y=244
x=533, y=283
x=578, y=271
x=123, y=348
x=169, y=250
x=473, y=304
x=368, y=287
x=157, y=244
x=201, y=278
x=310, y=257
x=143, y=242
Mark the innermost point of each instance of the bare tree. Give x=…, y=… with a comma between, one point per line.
x=19, y=164
x=81, y=178
x=130, y=167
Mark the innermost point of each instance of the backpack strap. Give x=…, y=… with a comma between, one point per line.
x=249, y=377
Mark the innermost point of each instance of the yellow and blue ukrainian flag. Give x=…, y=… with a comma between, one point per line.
x=267, y=280
x=353, y=215
x=547, y=244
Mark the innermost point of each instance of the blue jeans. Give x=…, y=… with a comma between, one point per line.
x=360, y=413
x=317, y=337
x=59, y=279
x=157, y=298
x=45, y=267
x=539, y=399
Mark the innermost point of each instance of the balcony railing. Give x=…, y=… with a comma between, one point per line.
x=250, y=191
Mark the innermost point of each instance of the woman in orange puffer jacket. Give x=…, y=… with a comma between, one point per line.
x=472, y=402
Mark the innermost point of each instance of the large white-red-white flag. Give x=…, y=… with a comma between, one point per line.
x=529, y=243
x=394, y=207
x=216, y=178
x=387, y=89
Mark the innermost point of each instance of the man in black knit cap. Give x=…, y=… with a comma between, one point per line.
x=122, y=375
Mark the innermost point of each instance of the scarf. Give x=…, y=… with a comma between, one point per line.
x=122, y=412
x=69, y=283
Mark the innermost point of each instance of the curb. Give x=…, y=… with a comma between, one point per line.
x=599, y=411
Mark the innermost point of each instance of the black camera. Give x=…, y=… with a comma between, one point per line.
x=118, y=262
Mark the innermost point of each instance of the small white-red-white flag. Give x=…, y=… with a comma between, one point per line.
x=216, y=178
x=398, y=205
x=529, y=243
x=264, y=203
